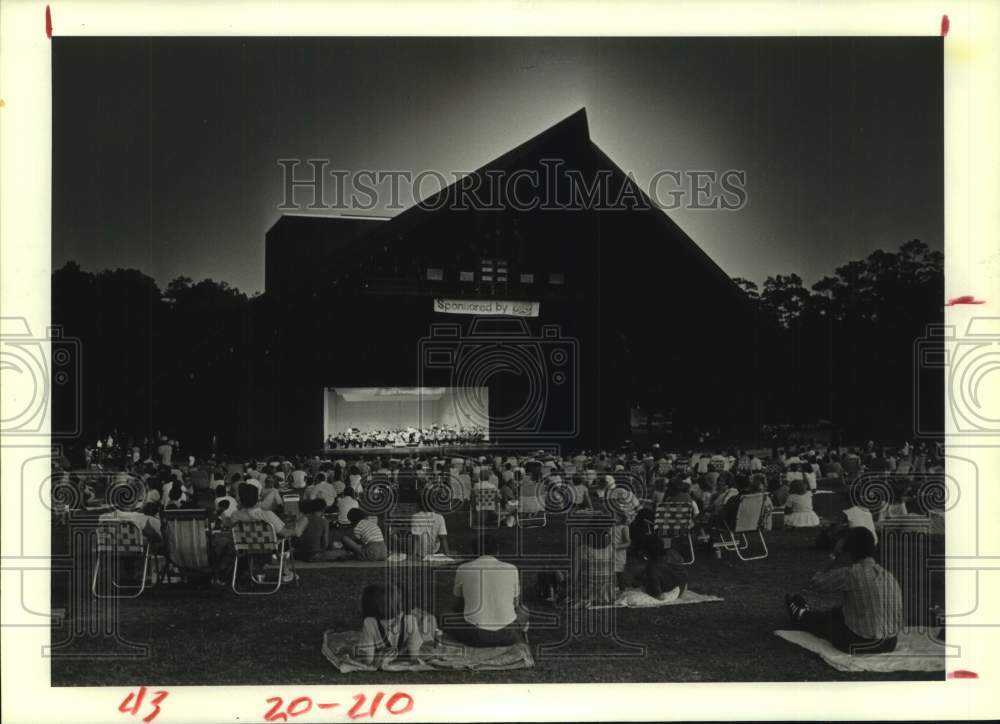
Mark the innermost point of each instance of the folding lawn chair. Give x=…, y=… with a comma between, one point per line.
x=256, y=539
x=675, y=519
x=749, y=519
x=485, y=501
x=121, y=539
x=186, y=537
x=531, y=506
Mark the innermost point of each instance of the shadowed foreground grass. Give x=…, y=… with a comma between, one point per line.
x=197, y=635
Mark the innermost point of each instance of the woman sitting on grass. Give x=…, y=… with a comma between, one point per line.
x=386, y=631
x=799, y=507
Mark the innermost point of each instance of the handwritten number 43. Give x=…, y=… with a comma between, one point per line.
x=398, y=703
x=133, y=702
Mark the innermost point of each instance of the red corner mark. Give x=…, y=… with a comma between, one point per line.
x=962, y=674
x=48, y=23
x=945, y=25
x=965, y=299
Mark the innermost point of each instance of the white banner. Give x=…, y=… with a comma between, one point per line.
x=486, y=307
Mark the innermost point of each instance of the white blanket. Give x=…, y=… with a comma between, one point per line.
x=637, y=598
x=914, y=652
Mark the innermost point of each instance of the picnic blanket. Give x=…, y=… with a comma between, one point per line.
x=438, y=653
x=914, y=652
x=401, y=560
x=637, y=598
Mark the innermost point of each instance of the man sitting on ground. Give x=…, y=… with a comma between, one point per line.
x=487, y=609
x=871, y=615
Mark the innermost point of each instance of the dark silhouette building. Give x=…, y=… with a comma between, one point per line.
x=631, y=313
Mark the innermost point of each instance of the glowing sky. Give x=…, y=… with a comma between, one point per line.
x=165, y=150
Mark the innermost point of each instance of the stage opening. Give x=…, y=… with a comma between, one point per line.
x=394, y=417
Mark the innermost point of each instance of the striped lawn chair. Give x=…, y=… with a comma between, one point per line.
x=121, y=539
x=675, y=519
x=186, y=537
x=485, y=502
x=254, y=539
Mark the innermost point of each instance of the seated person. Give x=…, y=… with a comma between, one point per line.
x=581, y=494
x=748, y=486
x=222, y=494
x=385, y=628
x=428, y=531
x=487, y=610
x=365, y=541
x=780, y=491
x=799, y=507
x=321, y=489
x=870, y=616
x=725, y=489
x=270, y=498
x=679, y=491
x=832, y=535
x=656, y=569
x=223, y=549
x=593, y=561
x=313, y=543
x=148, y=524
x=344, y=505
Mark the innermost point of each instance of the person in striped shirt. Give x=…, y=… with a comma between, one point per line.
x=366, y=541
x=870, y=616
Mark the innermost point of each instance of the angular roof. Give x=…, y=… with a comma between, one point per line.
x=355, y=239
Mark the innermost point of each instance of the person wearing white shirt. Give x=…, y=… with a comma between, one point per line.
x=487, y=609
x=345, y=504
x=428, y=532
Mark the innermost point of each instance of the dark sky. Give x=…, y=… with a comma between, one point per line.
x=165, y=150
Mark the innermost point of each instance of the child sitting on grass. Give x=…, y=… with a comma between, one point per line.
x=386, y=630
x=799, y=507
x=366, y=541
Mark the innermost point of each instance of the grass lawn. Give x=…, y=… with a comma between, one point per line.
x=201, y=635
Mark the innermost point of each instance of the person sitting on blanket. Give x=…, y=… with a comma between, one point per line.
x=656, y=569
x=385, y=628
x=871, y=614
x=487, y=609
x=314, y=541
x=366, y=541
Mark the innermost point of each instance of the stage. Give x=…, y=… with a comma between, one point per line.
x=403, y=451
